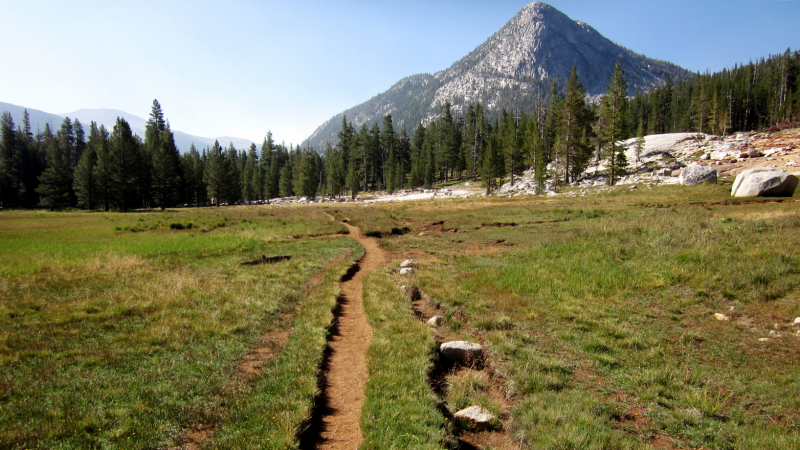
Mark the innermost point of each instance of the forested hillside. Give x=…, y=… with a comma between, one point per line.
x=116, y=169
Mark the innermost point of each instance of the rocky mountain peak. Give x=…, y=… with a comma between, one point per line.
x=511, y=69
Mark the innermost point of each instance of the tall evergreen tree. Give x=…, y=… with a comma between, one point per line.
x=54, y=183
x=614, y=110
x=215, y=174
x=233, y=187
x=249, y=191
x=165, y=157
x=9, y=151
x=126, y=166
x=572, y=144
x=85, y=177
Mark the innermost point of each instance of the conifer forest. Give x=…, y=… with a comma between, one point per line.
x=558, y=138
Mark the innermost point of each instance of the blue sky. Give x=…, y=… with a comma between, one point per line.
x=240, y=68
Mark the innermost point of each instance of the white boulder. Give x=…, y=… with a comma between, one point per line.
x=764, y=182
x=476, y=416
x=407, y=271
x=697, y=174
x=461, y=351
x=435, y=321
x=408, y=263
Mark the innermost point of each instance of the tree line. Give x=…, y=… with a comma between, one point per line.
x=116, y=169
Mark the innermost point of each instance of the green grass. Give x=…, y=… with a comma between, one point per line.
x=597, y=310
x=603, y=306
x=400, y=408
x=119, y=339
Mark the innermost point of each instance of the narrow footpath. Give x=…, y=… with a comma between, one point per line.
x=346, y=377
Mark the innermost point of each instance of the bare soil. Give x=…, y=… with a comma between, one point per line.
x=346, y=376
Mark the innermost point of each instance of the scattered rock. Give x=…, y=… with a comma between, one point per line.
x=765, y=182
x=697, y=174
x=475, y=416
x=718, y=156
x=408, y=263
x=763, y=340
x=753, y=153
x=796, y=322
x=721, y=317
x=774, y=333
x=461, y=351
x=435, y=321
x=407, y=271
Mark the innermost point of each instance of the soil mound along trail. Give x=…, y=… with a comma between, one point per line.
x=336, y=421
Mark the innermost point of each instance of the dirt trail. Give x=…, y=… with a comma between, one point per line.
x=346, y=377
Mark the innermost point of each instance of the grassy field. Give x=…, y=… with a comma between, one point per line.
x=129, y=330
x=125, y=331
x=600, y=311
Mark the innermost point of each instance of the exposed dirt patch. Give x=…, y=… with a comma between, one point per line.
x=500, y=224
x=194, y=439
x=271, y=343
x=267, y=260
x=337, y=412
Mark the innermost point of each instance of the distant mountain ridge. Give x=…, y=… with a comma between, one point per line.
x=108, y=117
x=513, y=68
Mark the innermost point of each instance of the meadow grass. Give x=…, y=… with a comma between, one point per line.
x=113, y=338
x=400, y=410
x=601, y=312
x=125, y=330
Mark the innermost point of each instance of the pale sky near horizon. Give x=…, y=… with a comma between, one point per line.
x=240, y=68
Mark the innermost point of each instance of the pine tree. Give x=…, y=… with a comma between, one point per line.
x=165, y=169
x=613, y=110
x=249, y=191
x=99, y=142
x=126, y=166
x=639, y=145
x=571, y=131
x=492, y=164
x=335, y=167
x=233, y=187
x=388, y=144
x=416, y=178
x=215, y=173
x=9, y=178
x=54, y=192
x=84, y=178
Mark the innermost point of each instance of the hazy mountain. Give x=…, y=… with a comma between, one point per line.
x=183, y=140
x=108, y=117
x=513, y=68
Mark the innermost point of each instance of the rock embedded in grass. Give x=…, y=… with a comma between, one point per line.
x=461, y=351
x=476, y=417
x=408, y=263
x=407, y=271
x=697, y=174
x=721, y=317
x=796, y=322
x=435, y=321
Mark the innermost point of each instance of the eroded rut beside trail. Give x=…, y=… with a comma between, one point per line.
x=336, y=425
